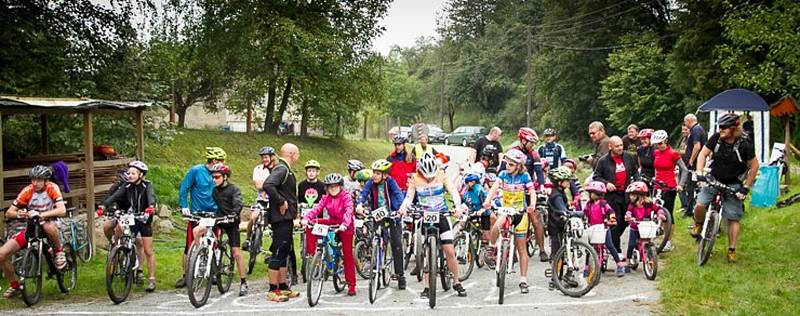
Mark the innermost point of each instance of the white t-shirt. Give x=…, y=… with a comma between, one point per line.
x=260, y=173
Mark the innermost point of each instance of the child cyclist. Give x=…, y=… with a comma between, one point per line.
x=340, y=212
x=515, y=182
x=639, y=208
x=597, y=211
x=351, y=184
x=429, y=185
x=230, y=202
x=473, y=199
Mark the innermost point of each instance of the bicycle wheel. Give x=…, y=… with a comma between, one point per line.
x=289, y=272
x=650, y=261
x=303, y=259
x=67, y=278
x=375, y=274
x=707, y=237
x=502, y=270
x=119, y=275
x=316, y=277
x=85, y=248
x=255, y=248
x=464, y=256
x=225, y=266
x=635, y=259
x=30, y=280
x=419, y=254
x=202, y=266
x=430, y=268
x=408, y=248
x=664, y=232
x=364, y=259
x=530, y=246
x=575, y=269
x=338, y=278
x=386, y=270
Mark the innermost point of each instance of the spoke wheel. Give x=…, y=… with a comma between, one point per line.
x=430, y=268
x=374, y=279
x=576, y=270
x=503, y=255
x=707, y=237
x=198, y=278
x=254, y=249
x=225, y=267
x=68, y=277
x=31, y=276
x=316, y=277
x=650, y=261
x=664, y=232
x=364, y=259
x=464, y=256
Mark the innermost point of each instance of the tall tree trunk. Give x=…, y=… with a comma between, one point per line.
x=338, y=125
x=181, y=111
x=304, y=119
x=284, y=102
x=366, y=117
x=273, y=83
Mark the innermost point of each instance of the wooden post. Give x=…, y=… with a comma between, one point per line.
x=43, y=123
x=249, y=113
x=787, y=153
x=2, y=192
x=88, y=166
x=140, y=134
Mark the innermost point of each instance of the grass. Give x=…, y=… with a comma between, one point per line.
x=763, y=282
x=168, y=164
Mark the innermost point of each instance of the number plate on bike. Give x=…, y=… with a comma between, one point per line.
x=379, y=213
x=305, y=212
x=430, y=217
x=319, y=230
x=359, y=223
x=576, y=223
x=127, y=220
x=508, y=211
x=207, y=222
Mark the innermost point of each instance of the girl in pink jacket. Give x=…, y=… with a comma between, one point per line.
x=339, y=206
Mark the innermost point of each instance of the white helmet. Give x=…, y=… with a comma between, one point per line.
x=427, y=165
x=658, y=137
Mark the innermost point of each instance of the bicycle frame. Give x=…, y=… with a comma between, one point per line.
x=506, y=235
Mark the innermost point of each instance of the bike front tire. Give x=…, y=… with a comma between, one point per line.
x=564, y=277
x=119, y=274
x=198, y=277
x=31, y=276
x=316, y=278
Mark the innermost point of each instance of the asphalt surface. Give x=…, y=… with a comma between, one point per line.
x=632, y=294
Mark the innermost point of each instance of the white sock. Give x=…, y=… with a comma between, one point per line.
x=523, y=279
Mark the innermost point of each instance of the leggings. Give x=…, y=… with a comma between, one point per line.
x=669, y=202
x=633, y=237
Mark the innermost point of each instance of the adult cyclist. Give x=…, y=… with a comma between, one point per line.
x=402, y=161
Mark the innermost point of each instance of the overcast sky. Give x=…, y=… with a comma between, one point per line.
x=406, y=21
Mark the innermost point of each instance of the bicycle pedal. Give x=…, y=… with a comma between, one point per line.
x=548, y=273
x=551, y=286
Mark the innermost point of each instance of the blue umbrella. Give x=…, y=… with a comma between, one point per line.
x=735, y=100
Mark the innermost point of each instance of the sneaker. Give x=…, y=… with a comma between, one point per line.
x=151, y=286
x=460, y=289
x=139, y=278
x=668, y=247
x=731, y=256
x=290, y=293
x=620, y=271
x=180, y=283
x=543, y=257
x=61, y=260
x=414, y=271
x=523, y=287
x=11, y=293
x=276, y=296
x=294, y=280
x=351, y=291
x=243, y=289
x=401, y=282
x=696, y=230
x=424, y=293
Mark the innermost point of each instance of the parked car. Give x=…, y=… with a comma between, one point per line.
x=465, y=135
x=403, y=130
x=435, y=134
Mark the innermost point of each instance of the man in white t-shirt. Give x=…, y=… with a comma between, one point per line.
x=260, y=174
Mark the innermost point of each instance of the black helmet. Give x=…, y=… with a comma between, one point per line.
x=333, y=178
x=399, y=139
x=40, y=172
x=267, y=151
x=728, y=120
x=550, y=132
x=489, y=151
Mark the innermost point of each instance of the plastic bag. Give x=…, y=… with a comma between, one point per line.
x=766, y=189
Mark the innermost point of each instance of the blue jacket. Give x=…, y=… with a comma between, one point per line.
x=474, y=197
x=198, y=185
x=393, y=193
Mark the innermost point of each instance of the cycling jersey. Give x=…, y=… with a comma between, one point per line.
x=39, y=201
x=514, y=188
x=553, y=153
x=198, y=186
x=474, y=197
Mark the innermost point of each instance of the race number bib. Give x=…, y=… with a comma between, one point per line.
x=207, y=222
x=379, y=213
x=430, y=217
x=359, y=223
x=508, y=211
x=305, y=212
x=127, y=220
x=576, y=223
x=319, y=230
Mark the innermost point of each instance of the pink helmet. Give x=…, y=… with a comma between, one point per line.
x=646, y=133
x=528, y=134
x=637, y=187
x=516, y=156
x=596, y=187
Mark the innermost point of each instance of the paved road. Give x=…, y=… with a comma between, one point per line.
x=632, y=294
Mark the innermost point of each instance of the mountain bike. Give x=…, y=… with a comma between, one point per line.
x=505, y=249
x=210, y=257
x=122, y=262
x=255, y=239
x=326, y=262
x=363, y=246
x=711, y=222
x=575, y=266
x=37, y=252
x=381, y=260
x=75, y=235
x=664, y=233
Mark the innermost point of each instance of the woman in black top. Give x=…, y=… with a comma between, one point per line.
x=645, y=154
x=229, y=201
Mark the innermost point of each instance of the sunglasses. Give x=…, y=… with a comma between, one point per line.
x=511, y=164
x=217, y=176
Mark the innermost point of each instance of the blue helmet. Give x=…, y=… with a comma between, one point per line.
x=472, y=177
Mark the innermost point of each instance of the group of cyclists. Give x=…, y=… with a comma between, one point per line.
x=414, y=180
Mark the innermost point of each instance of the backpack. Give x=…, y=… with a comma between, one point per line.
x=736, y=145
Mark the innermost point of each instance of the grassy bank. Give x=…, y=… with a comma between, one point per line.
x=763, y=282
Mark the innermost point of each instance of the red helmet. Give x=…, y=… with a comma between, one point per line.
x=220, y=168
x=637, y=187
x=528, y=134
x=571, y=162
x=646, y=133
x=596, y=187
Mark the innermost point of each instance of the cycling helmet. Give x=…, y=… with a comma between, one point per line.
x=646, y=133
x=559, y=174
x=354, y=165
x=40, y=172
x=333, y=178
x=221, y=168
x=312, y=164
x=528, y=134
x=571, y=162
x=139, y=165
x=364, y=175
x=215, y=153
x=516, y=156
x=266, y=150
x=659, y=136
x=637, y=187
x=596, y=187
x=427, y=165
x=728, y=120
x=381, y=165
x=550, y=132
x=399, y=139
x=471, y=177
x=489, y=151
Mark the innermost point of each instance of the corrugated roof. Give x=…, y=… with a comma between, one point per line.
x=68, y=103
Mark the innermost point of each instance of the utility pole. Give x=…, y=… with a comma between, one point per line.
x=528, y=80
x=441, y=104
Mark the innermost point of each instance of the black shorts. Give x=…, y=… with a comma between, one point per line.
x=282, y=240
x=232, y=230
x=143, y=229
x=486, y=222
x=445, y=232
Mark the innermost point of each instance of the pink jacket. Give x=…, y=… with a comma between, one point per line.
x=340, y=209
x=597, y=212
x=639, y=213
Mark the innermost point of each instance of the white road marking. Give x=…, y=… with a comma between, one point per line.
x=389, y=291
x=491, y=294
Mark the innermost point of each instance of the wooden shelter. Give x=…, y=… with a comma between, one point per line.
x=88, y=178
x=786, y=107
